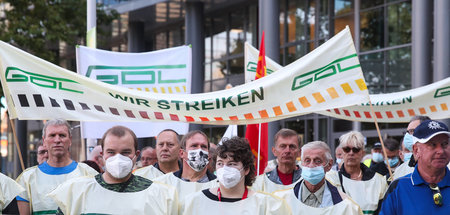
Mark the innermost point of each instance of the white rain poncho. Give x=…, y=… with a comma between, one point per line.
x=264, y=184
x=38, y=184
x=148, y=172
x=9, y=189
x=258, y=204
x=85, y=195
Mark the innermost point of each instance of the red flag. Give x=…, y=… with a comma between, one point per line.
x=252, y=131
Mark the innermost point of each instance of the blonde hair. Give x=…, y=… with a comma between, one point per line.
x=352, y=138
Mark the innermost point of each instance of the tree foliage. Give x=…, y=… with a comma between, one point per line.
x=38, y=26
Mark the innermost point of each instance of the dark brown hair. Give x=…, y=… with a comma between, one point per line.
x=119, y=131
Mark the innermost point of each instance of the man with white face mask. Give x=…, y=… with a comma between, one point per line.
x=117, y=189
x=393, y=156
x=39, y=180
x=236, y=171
x=313, y=194
x=194, y=176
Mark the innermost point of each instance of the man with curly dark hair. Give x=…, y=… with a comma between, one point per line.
x=235, y=171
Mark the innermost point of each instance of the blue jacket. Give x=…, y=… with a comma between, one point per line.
x=410, y=194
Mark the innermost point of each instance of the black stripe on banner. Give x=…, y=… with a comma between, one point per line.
x=69, y=104
x=38, y=100
x=99, y=108
x=23, y=100
x=54, y=103
x=84, y=106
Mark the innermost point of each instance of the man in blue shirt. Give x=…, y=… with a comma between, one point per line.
x=427, y=189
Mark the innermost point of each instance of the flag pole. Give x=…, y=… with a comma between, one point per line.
x=381, y=139
x=16, y=141
x=259, y=148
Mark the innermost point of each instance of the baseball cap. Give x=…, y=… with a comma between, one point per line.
x=428, y=129
x=377, y=145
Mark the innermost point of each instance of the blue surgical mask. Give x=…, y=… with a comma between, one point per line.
x=408, y=141
x=392, y=161
x=377, y=157
x=338, y=160
x=313, y=175
x=407, y=156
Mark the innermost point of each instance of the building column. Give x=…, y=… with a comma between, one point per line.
x=421, y=42
x=136, y=36
x=195, y=36
x=21, y=131
x=269, y=22
x=441, y=43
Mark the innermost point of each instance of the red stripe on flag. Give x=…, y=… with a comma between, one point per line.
x=144, y=114
x=357, y=114
x=174, y=117
x=218, y=118
x=367, y=114
x=129, y=113
x=234, y=118
x=159, y=115
x=204, y=119
x=189, y=119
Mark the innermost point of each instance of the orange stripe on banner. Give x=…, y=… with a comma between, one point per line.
x=248, y=116
x=304, y=101
x=318, y=97
x=357, y=114
x=234, y=118
x=433, y=108
x=332, y=92
x=400, y=113
x=204, y=119
x=277, y=110
x=422, y=111
x=411, y=112
x=367, y=114
x=291, y=107
x=361, y=84
x=378, y=114
x=389, y=114
x=444, y=106
x=218, y=118
x=347, y=89
x=263, y=113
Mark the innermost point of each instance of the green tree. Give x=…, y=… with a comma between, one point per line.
x=38, y=26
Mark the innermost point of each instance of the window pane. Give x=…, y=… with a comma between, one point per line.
x=207, y=71
x=372, y=30
x=219, y=38
x=370, y=3
x=237, y=65
x=208, y=57
x=324, y=24
x=219, y=69
x=373, y=68
x=237, y=33
x=399, y=67
x=311, y=20
x=296, y=21
x=341, y=22
x=399, y=19
x=295, y=52
x=342, y=7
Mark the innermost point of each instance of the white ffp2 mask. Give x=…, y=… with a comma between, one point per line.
x=228, y=176
x=119, y=166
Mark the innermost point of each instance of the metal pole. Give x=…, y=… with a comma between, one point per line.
x=195, y=36
x=269, y=22
x=421, y=42
x=91, y=35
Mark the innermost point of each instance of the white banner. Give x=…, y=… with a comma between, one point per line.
x=163, y=71
x=329, y=77
x=430, y=100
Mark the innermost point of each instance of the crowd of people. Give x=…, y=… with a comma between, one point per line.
x=194, y=176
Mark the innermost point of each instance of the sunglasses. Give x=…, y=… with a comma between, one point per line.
x=409, y=131
x=437, y=196
x=354, y=149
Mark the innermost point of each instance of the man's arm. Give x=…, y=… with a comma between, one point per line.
x=389, y=204
x=24, y=207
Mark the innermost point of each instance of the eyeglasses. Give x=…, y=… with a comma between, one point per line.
x=409, y=131
x=354, y=149
x=437, y=196
x=42, y=152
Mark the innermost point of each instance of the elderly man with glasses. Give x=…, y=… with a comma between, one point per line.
x=362, y=184
x=427, y=189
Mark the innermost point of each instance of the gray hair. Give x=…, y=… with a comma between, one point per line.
x=57, y=122
x=352, y=138
x=318, y=145
x=420, y=118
